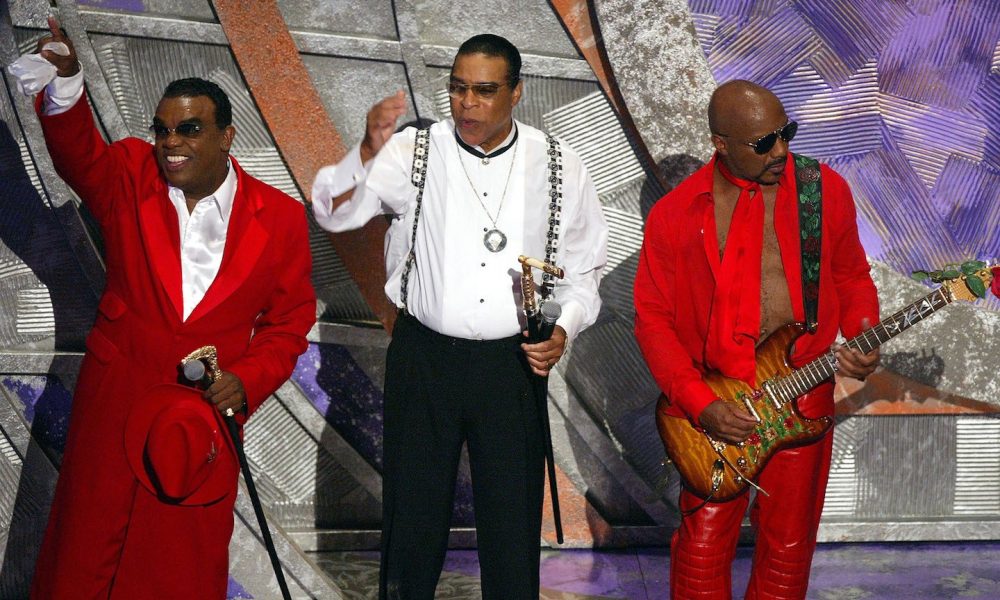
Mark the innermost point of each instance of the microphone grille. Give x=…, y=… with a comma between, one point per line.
x=194, y=370
x=551, y=311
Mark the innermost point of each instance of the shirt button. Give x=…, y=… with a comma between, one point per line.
x=481, y=300
x=482, y=265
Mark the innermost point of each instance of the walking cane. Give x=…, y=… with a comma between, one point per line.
x=540, y=326
x=202, y=365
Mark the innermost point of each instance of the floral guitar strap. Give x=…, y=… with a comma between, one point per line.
x=810, y=188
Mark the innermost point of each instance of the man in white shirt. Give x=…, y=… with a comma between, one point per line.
x=198, y=253
x=458, y=368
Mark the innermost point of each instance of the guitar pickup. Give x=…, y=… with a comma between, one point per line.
x=769, y=390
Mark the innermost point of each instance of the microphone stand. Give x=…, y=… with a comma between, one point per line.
x=207, y=357
x=539, y=383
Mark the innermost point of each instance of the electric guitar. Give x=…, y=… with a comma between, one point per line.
x=719, y=471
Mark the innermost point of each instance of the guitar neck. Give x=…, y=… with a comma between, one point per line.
x=804, y=379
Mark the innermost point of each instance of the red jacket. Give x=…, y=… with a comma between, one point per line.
x=103, y=528
x=679, y=262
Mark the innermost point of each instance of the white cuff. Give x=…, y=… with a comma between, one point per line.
x=571, y=319
x=335, y=180
x=63, y=94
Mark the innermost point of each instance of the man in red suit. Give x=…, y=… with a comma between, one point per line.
x=721, y=268
x=197, y=253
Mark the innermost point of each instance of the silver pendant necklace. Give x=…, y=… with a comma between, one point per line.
x=494, y=240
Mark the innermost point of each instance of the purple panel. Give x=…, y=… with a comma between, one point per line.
x=235, y=591
x=972, y=190
x=854, y=32
x=941, y=54
x=342, y=392
x=985, y=103
x=764, y=51
x=46, y=405
x=897, y=95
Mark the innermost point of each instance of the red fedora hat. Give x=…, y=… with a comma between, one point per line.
x=178, y=446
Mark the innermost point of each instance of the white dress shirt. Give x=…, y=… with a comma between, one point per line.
x=457, y=286
x=203, y=230
x=203, y=238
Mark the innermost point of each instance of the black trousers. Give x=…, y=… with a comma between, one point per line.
x=440, y=392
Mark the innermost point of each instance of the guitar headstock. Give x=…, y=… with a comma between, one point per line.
x=970, y=283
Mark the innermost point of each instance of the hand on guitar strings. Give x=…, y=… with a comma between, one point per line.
x=855, y=363
x=727, y=422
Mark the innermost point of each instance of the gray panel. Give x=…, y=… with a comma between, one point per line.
x=348, y=87
x=955, y=350
x=309, y=477
x=341, y=17
x=661, y=72
x=531, y=25
x=591, y=128
x=195, y=10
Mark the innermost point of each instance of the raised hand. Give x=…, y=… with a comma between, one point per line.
x=66, y=65
x=381, y=124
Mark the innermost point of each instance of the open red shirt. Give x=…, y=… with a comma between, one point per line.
x=680, y=262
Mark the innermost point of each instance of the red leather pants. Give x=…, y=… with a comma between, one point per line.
x=702, y=548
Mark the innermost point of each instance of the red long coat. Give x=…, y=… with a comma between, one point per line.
x=107, y=536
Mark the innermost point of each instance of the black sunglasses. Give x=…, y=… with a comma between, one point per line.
x=763, y=144
x=188, y=130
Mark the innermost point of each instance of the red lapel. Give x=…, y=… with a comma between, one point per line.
x=245, y=240
x=158, y=221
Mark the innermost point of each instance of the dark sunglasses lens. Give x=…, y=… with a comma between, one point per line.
x=159, y=131
x=188, y=129
x=764, y=144
x=788, y=131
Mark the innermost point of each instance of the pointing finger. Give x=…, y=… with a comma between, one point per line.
x=54, y=28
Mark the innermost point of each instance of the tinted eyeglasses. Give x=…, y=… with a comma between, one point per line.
x=483, y=91
x=763, y=144
x=188, y=130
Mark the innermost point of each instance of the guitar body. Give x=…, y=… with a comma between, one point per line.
x=718, y=471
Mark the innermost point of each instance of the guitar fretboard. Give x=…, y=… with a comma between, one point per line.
x=804, y=379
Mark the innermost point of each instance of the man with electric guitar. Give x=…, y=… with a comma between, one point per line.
x=755, y=240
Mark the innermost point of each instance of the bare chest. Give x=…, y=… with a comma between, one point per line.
x=775, y=302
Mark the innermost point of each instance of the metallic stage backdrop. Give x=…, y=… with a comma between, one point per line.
x=901, y=97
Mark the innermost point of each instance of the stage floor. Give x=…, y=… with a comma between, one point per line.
x=923, y=571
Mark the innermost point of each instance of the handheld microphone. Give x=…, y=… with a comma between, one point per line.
x=195, y=372
x=550, y=313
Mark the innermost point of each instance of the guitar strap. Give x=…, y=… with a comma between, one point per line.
x=810, y=188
